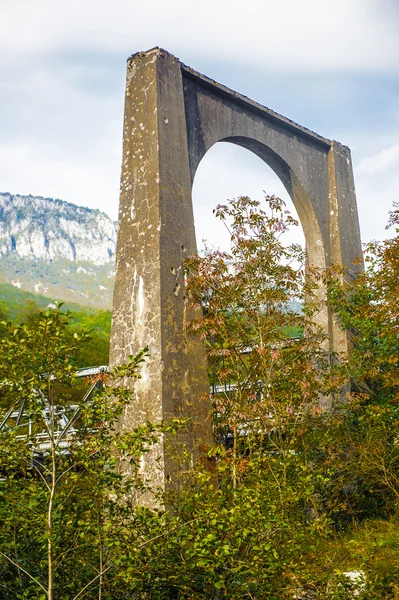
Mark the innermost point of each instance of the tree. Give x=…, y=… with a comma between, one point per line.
x=298, y=496
x=301, y=491
x=64, y=506
x=247, y=299
x=251, y=537
x=369, y=309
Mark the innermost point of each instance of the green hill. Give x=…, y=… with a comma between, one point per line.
x=20, y=306
x=76, y=282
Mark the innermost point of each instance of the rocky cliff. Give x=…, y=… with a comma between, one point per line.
x=42, y=228
x=57, y=248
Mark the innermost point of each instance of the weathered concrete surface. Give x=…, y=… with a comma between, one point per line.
x=316, y=172
x=156, y=232
x=173, y=115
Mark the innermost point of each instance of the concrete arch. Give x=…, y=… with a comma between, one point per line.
x=299, y=196
x=173, y=115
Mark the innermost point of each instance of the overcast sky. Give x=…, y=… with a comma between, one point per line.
x=331, y=66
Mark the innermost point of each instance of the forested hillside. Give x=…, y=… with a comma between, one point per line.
x=20, y=306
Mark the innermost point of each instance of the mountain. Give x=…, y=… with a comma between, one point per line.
x=57, y=249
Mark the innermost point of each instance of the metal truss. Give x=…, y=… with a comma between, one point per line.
x=60, y=419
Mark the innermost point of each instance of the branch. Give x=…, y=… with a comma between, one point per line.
x=60, y=557
x=92, y=581
x=41, y=475
x=27, y=508
x=75, y=465
x=23, y=570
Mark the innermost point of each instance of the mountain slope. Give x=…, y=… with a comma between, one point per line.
x=58, y=249
x=42, y=228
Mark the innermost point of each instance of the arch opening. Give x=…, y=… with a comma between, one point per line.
x=227, y=171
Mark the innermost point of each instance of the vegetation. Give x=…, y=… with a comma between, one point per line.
x=64, y=507
x=20, y=306
x=297, y=497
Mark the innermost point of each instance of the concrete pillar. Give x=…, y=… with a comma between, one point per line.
x=156, y=233
x=345, y=242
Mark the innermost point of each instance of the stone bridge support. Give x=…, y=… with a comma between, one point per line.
x=173, y=115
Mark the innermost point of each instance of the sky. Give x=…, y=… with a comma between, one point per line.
x=330, y=66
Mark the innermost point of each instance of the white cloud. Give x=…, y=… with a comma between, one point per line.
x=61, y=139
x=25, y=170
x=377, y=185
x=381, y=162
x=289, y=34
x=62, y=89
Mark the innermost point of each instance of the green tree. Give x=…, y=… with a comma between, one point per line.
x=252, y=535
x=298, y=496
x=303, y=495
x=64, y=505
